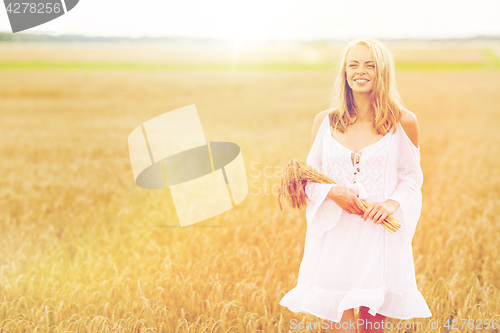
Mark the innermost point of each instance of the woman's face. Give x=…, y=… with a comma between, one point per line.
x=360, y=70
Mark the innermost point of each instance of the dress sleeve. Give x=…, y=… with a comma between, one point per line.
x=322, y=213
x=408, y=191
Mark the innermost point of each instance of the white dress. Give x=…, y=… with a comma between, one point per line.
x=349, y=262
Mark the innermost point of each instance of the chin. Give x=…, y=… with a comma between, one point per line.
x=362, y=91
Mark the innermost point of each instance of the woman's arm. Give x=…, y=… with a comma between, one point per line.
x=321, y=214
x=409, y=123
x=408, y=191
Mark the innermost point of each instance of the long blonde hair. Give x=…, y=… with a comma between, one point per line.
x=385, y=97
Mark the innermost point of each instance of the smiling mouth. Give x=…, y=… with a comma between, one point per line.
x=361, y=80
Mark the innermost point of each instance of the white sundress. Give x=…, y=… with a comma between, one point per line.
x=349, y=262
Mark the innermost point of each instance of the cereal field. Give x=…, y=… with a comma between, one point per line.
x=83, y=249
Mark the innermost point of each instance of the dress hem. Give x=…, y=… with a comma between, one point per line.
x=331, y=305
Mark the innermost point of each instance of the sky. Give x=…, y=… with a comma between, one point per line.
x=276, y=19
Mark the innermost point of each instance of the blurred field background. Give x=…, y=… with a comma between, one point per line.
x=83, y=249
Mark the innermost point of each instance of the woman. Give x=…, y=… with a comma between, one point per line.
x=367, y=143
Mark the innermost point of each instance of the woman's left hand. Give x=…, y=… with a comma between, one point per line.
x=378, y=211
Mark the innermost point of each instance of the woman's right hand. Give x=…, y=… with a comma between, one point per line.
x=347, y=199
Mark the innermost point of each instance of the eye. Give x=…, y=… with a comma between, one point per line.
x=352, y=65
x=371, y=66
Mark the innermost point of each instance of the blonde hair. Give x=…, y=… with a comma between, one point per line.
x=385, y=97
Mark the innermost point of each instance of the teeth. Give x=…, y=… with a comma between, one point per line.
x=361, y=80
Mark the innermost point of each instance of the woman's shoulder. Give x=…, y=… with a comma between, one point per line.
x=320, y=116
x=409, y=123
x=318, y=120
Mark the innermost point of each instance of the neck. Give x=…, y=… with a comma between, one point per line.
x=364, y=109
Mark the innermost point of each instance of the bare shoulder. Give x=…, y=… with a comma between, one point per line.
x=409, y=123
x=317, y=123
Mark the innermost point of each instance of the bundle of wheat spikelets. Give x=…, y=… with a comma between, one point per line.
x=293, y=184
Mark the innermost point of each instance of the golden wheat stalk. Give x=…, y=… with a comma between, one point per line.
x=293, y=184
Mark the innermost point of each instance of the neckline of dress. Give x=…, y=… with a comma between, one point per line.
x=356, y=153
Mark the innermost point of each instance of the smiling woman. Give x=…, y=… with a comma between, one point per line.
x=367, y=143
